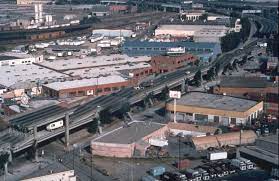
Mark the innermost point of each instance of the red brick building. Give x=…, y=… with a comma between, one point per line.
x=86, y=87
x=254, y=88
x=162, y=64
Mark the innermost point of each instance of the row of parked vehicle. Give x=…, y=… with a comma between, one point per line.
x=208, y=171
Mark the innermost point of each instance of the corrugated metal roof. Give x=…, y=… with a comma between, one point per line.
x=201, y=45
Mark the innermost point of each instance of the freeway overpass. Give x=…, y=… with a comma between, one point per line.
x=85, y=113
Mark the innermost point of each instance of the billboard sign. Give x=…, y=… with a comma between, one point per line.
x=175, y=94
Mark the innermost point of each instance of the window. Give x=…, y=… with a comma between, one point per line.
x=107, y=89
x=99, y=90
x=148, y=48
x=115, y=88
x=233, y=120
x=216, y=119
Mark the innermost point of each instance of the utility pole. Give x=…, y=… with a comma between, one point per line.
x=67, y=130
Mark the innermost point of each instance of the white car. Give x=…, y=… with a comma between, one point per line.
x=188, y=72
x=55, y=125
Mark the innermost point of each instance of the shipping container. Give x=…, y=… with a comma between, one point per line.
x=158, y=142
x=217, y=155
x=157, y=171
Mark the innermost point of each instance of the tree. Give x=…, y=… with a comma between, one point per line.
x=4, y=158
x=198, y=78
x=230, y=41
x=210, y=73
x=165, y=93
x=204, y=16
x=245, y=30
x=197, y=62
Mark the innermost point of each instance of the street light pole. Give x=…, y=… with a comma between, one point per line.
x=174, y=110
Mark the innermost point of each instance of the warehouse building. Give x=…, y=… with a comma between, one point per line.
x=254, y=88
x=127, y=141
x=219, y=109
x=10, y=59
x=201, y=49
x=30, y=77
x=169, y=63
x=113, y=32
x=192, y=15
x=220, y=140
x=91, y=62
x=200, y=33
x=86, y=87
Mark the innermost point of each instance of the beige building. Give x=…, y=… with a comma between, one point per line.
x=215, y=141
x=224, y=110
x=61, y=176
x=125, y=141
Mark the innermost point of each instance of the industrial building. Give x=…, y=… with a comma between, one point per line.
x=101, y=85
x=113, y=32
x=100, y=10
x=219, y=109
x=217, y=141
x=90, y=62
x=201, y=49
x=254, y=88
x=20, y=78
x=192, y=15
x=191, y=129
x=10, y=58
x=169, y=63
x=264, y=152
x=129, y=140
x=200, y=33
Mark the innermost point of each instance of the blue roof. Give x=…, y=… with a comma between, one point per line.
x=202, y=45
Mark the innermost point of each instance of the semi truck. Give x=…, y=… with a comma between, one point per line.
x=249, y=164
x=239, y=164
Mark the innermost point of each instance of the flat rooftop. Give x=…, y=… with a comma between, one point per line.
x=10, y=75
x=133, y=133
x=93, y=72
x=77, y=63
x=188, y=45
x=85, y=82
x=271, y=139
x=192, y=27
x=214, y=101
x=247, y=82
x=12, y=55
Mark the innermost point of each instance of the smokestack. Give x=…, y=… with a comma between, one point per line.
x=40, y=8
x=36, y=8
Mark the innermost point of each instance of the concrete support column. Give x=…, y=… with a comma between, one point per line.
x=35, y=132
x=194, y=116
x=183, y=86
x=6, y=168
x=10, y=156
x=67, y=130
x=165, y=9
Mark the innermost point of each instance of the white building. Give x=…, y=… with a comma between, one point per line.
x=61, y=176
x=192, y=15
x=201, y=33
x=90, y=62
x=11, y=58
x=20, y=78
x=113, y=33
